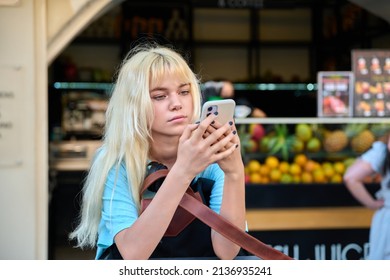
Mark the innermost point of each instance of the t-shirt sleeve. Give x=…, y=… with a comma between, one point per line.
x=214, y=172
x=376, y=156
x=119, y=210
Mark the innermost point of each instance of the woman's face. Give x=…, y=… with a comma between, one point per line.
x=172, y=104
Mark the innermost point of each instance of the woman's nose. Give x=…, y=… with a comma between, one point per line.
x=175, y=103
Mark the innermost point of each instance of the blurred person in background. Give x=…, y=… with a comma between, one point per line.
x=225, y=90
x=374, y=161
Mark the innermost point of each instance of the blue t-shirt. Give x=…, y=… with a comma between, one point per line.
x=119, y=210
x=376, y=157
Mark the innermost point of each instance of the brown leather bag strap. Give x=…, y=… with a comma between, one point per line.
x=152, y=177
x=230, y=231
x=219, y=223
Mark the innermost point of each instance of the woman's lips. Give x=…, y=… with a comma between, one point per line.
x=177, y=118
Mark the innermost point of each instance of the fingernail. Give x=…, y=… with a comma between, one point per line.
x=231, y=123
x=234, y=132
x=197, y=122
x=236, y=146
x=216, y=113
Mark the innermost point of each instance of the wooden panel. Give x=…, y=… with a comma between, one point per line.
x=308, y=218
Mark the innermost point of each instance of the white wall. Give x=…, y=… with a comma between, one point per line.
x=24, y=55
x=23, y=186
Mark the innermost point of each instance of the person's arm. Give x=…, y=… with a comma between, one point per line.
x=354, y=181
x=233, y=200
x=194, y=154
x=140, y=240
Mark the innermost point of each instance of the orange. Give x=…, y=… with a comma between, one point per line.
x=275, y=175
x=264, y=170
x=328, y=171
x=311, y=165
x=336, y=178
x=295, y=169
x=286, y=178
x=326, y=164
x=306, y=177
x=339, y=167
x=284, y=167
x=253, y=166
x=264, y=180
x=301, y=159
x=296, y=179
x=255, y=178
x=319, y=176
x=272, y=162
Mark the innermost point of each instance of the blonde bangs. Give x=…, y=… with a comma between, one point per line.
x=166, y=63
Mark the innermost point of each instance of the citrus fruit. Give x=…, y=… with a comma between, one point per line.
x=264, y=170
x=295, y=169
x=310, y=166
x=300, y=159
x=253, y=166
x=275, y=175
x=327, y=164
x=296, y=178
x=328, y=172
x=255, y=178
x=284, y=167
x=272, y=162
x=336, y=178
x=306, y=177
x=286, y=178
x=264, y=180
x=339, y=167
x=319, y=176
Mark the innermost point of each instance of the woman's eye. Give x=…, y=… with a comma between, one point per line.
x=185, y=92
x=158, y=97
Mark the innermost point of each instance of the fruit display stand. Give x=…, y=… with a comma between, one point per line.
x=295, y=197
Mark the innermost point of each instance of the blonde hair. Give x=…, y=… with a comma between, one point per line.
x=128, y=129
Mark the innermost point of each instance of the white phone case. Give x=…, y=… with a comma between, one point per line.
x=225, y=109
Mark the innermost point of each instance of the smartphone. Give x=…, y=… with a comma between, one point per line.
x=224, y=107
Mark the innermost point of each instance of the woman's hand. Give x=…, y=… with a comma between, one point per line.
x=232, y=162
x=196, y=152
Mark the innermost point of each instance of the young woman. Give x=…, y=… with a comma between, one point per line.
x=375, y=160
x=152, y=116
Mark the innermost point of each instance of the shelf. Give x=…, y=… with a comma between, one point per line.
x=316, y=120
x=237, y=86
x=83, y=86
x=276, y=86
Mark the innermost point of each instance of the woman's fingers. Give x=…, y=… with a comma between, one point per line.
x=203, y=125
x=221, y=132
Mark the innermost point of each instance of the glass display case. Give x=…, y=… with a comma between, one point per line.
x=295, y=197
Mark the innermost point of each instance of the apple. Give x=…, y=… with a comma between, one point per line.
x=256, y=131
